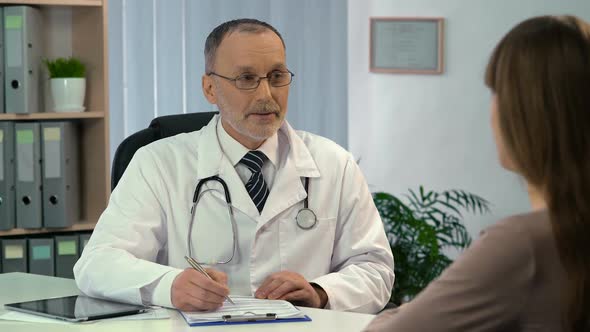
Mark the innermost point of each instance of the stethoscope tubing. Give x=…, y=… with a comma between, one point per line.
x=305, y=225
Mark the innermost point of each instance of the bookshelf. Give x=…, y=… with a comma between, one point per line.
x=94, y=3
x=52, y=116
x=78, y=28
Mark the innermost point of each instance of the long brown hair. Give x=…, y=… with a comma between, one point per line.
x=540, y=73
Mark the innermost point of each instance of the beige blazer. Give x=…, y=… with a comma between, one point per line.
x=509, y=280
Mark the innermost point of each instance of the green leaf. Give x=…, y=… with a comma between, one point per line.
x=451, y=207
x=415, y=198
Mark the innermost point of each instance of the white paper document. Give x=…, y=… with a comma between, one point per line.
x=244, y=306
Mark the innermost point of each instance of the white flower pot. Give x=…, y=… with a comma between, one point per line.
x=68, y=94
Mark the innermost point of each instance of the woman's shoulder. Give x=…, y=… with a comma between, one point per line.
x=529, y=237
x=535, y=226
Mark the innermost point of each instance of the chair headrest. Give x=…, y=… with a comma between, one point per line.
x=161, y=127
x=170, y=125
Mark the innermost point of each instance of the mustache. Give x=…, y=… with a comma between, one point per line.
x=265, y=107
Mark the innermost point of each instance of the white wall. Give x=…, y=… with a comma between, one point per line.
x=433, y=129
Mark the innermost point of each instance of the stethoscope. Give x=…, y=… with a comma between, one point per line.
x=306, y=219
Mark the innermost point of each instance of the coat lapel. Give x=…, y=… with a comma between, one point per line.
x=288, y=189
x=240, y=198
x=212, y=161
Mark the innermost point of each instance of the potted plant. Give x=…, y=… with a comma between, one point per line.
x=420, y=229
x=67, y=83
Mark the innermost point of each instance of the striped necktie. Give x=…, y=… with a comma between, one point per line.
x=256, y=187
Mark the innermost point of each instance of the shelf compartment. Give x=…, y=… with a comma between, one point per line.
x=77, y=227
x=52, y=116
x=91, y=3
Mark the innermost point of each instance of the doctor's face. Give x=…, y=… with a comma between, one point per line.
x=249, y=116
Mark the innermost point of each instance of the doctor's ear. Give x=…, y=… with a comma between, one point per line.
x=209, y=89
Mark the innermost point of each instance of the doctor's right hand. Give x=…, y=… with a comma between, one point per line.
x=193, y=291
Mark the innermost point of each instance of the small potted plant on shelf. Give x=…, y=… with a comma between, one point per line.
x=67, y=83
x=419, y=228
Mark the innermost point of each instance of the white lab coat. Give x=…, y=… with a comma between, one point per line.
x=139, y=243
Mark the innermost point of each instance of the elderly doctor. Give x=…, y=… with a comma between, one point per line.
x=302, y=227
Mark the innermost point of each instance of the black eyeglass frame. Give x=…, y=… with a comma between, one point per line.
x=259, y=79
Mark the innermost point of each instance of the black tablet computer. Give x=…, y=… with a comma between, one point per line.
x=76, y=308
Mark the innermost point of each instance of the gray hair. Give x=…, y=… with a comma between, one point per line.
x=221, y=31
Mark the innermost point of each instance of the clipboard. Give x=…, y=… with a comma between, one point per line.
x=247, y=310
x=248, y=319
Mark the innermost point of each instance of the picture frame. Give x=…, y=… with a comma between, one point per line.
x=406, y=45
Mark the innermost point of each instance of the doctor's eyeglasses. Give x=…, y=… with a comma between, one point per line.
x=276, y=78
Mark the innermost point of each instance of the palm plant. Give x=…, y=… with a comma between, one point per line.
x=420, y=229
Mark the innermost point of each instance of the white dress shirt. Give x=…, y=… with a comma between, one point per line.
x=235, y=151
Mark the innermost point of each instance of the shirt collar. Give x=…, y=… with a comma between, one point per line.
x=235, y=151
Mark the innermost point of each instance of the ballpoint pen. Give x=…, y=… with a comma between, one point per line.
x=199, y=268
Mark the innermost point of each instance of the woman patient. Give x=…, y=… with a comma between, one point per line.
x=529, y=272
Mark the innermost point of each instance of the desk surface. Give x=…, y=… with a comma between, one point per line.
x=18, y=287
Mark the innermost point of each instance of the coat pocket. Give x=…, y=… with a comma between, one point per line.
x=307, y=251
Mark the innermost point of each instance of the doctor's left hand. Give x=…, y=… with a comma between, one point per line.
x=292, y=287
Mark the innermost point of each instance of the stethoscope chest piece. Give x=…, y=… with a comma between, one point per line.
x=306, y=219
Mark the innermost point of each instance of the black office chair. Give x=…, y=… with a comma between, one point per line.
x=160, y=127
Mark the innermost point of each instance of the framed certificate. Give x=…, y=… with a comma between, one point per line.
x=408, y=45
